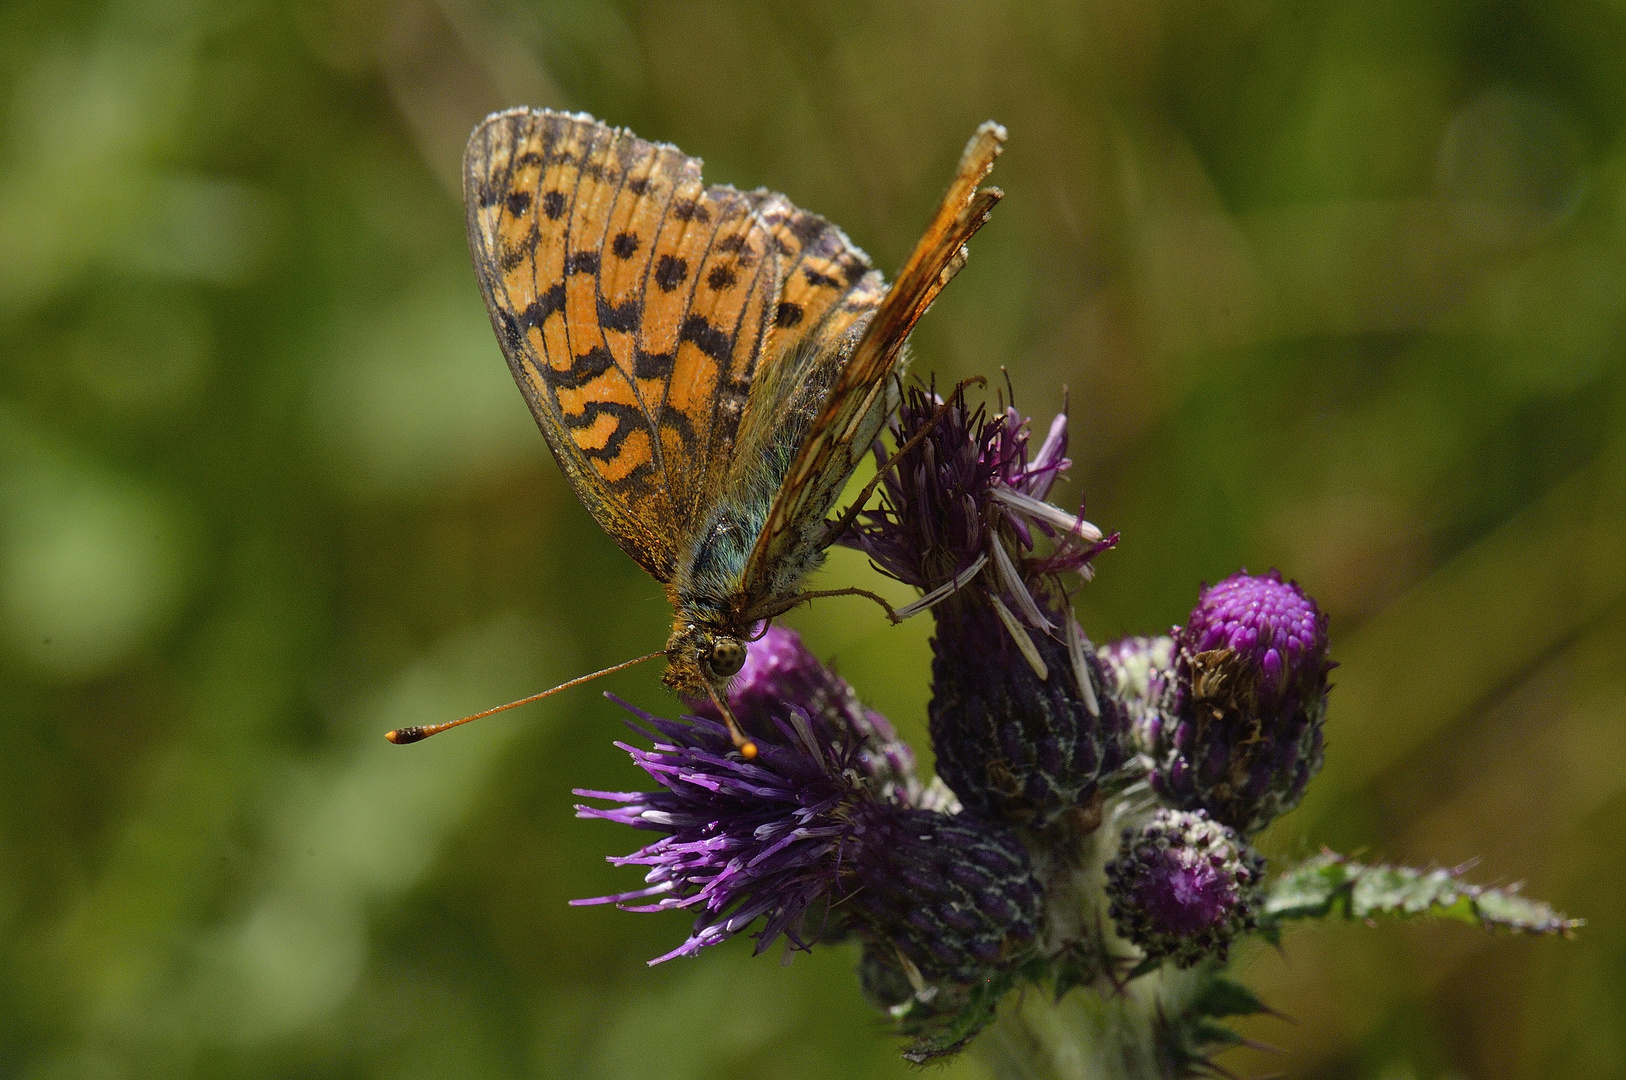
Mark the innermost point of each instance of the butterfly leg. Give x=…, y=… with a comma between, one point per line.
x=719, y=698
x=802, y=598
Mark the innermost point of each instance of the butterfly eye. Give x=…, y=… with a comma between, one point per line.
x=726, y=658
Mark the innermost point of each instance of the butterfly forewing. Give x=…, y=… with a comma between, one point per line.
x=855, y=407
x=828, y=294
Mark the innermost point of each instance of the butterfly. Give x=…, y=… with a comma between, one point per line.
x=707, y=365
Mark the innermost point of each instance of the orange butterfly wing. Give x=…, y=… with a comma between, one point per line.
x=644, y=314
x=857, y=405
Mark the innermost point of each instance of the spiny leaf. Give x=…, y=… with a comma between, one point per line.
x=1331, y=884
x=1186, y=1037
x=1309, y=890
x=1075, y=967
x=1221, y=997
x=1208, y=1034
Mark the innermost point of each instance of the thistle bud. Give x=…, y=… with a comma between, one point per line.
x=797, y=841
x=1183, y=886
x=1250, y=697
x=1012, y=744
x=954, y=896
x=1140, y=674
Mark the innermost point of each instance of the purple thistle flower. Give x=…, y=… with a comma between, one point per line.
x=1272, y=626
x=743, y=839
x=1018, y=719
x=1250, y=698
x=966, y=507
x=779, y=670
x=1183, y=886
x=803, y=830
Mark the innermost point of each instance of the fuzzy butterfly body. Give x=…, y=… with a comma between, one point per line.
x=707, y=365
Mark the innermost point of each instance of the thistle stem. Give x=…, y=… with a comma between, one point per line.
x=1086, y=1035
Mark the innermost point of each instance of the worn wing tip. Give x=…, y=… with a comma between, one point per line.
x=980, y=152
x=987, y=143
x=521, y=116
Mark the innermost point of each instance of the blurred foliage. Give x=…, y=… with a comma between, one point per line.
x=1336, y=287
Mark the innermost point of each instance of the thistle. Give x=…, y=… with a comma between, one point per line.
x=1093, y=790
x=956, y=897
x=741, y=839
x=1183, y=886
x=1142, y=670
x=817, y=824
x=1250, y=697
x=1019, y=717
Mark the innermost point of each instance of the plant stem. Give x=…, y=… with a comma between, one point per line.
x=1089, y=1035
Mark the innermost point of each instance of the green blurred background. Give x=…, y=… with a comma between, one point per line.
x=1336, y=287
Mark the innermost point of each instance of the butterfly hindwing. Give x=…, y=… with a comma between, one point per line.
x=632, y=303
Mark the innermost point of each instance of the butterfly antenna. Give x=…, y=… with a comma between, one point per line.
x=746, y=747
x=402, y=736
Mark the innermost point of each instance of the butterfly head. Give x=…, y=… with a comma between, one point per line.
x=702, y=658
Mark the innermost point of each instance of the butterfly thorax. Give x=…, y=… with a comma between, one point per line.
x=713, y=607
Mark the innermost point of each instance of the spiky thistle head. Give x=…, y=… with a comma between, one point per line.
x=1183, y=886
x=1019, y=720
x=741, y=839
x=814, y=836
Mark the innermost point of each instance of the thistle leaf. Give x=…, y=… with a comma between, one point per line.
x=1331, y=884
x=939, y=1033
x=1211, y=1035
x=1189, y=1035
x=1219, y=997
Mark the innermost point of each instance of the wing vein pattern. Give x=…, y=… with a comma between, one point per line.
x=670, y=338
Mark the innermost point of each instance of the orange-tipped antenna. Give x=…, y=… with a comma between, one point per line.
x=402, y=736
x=746, y=747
